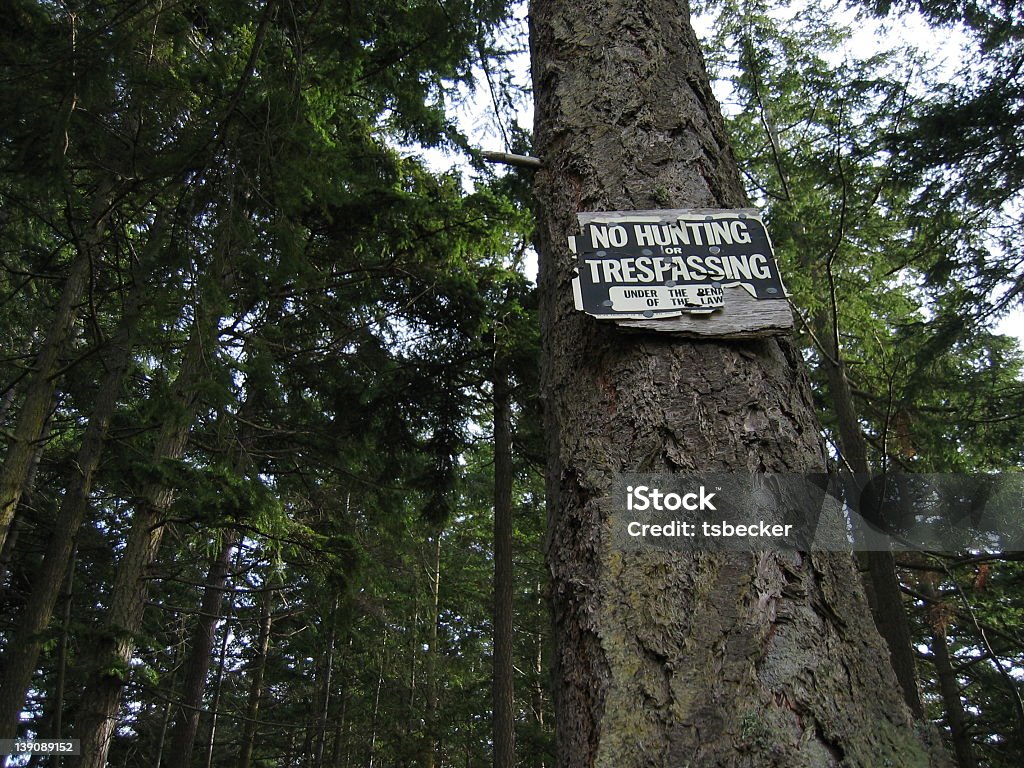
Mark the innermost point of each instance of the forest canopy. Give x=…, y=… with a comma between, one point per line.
x=269, y=380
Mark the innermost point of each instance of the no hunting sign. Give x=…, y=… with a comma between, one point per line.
x=712, y=271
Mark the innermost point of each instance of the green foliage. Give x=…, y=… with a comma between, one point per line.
x=961, y=145
x=867, y=268
x=314, y=305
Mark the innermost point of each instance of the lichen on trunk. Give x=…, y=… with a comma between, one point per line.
x=706, y=659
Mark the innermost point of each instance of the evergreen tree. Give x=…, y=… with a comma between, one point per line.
x=626, y=121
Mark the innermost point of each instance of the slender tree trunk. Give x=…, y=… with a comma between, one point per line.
x=22, y=653
x=338, y=749
x=504, y=680
x=55, y=704
x=35, y=410
x=705, y=658
x=211, y=739
x=165, y=721
x=62, y=658
x=259, y=668
x=183, y=735
x=306, y=750
x=376, y=697
x=881, y=582
x=953, y=706
x=326, y=680
x=412, y=719
x=111, y=658
x=54, y=719
x=218, y=685
x=949, y=687
x=186, y=724
x=311, y=751
x=430, y=673
x=537, y=695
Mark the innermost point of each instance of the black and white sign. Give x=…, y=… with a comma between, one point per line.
x=649, y=264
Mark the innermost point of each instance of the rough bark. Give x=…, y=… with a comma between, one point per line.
x=504, y=679
x=705, y=659
x=110, y=659
x=186, y=724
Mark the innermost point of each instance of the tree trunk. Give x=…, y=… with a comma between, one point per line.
x=22, y=653
x=338, y=749
x=881, y=582
x=197, y=666
x=54, y=721
x=35, y=410
x=8, y=550
x=412, y=716
x=537, y=698
x=430, y=758
x=504, y=680
x=165, y=723
x=709, y=659
x=259, y=668
x=19, y=523
x=62, y=653
x=949, y=687
x=326, y=680
x=172, y=693
x=211, y=738
x=112, y=655
x=953, y=706
x=183, y=735
x=376, y=696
